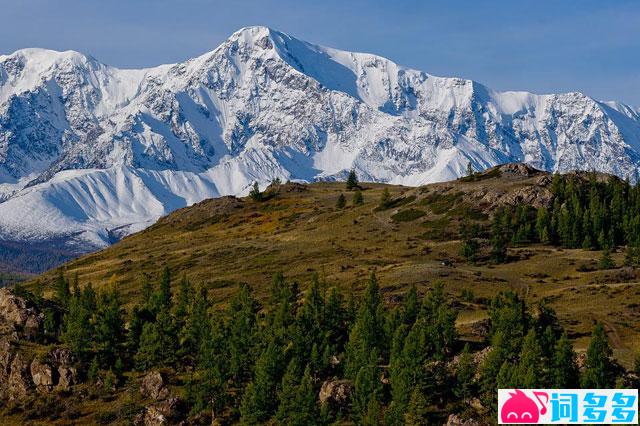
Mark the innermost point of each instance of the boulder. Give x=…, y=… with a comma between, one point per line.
x=19, y=383
x=15, y=378
x=518, y=169
x=67, y=377
x=457, y=420
x=154, y=386
x=163, y=413
x=62, y=356
x=63, y=361
x=480, y=356
x=18, y=316
x=42, y=375
x=580, y=360
x=336, y=392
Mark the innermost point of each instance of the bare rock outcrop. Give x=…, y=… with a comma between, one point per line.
x=163, y=413
x=19, y=376
x=42, y=375
x=154, y=386
x=19, y=384
x=15, y=379
x=63, y=361
x=518, y=169
x=336, y=392
x=55, y=371
x=457, y=420
x=17, y=316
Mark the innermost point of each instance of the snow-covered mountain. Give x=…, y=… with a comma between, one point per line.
x=89, y=152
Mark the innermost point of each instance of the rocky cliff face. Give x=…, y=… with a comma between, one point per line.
x=102, y=152
x=23, y=373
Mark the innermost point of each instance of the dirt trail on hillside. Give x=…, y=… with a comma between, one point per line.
x=614, y=337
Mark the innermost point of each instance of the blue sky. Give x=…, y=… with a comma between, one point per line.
x=540, y=46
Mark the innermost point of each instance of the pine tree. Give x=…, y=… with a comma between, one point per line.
x=62, y=291
x=255, y=193
x=385, y=199
x=118, y=370
x=149, y=348
x=542, y=225
x=499, y=237
x=137, y=320
x=77, y=327
x=288, y=392
x=297, y=398
x=632, y=255
x=358, y=199
x=599, y=368
x=400, y=376
x=260, y=398
x=565, y=374
x=367, y=386
x=436, y=382
x=507, y=376
x=438, y=321
x=94, y=368
x=165, y=289
x=147, y=291
x=469, y=249
x=50, y=325
x=490, y=369
x=185, y=294
x=606, y=261
x=109, y=332
x=158, y=342
x=411, y=306
x=307, y=409
x=372, y=417
x=529, y=371
x=366, y=335
x=352, y=180
x=207, y=388
x=342, y=202
x=195, y=324
x=242, y=330
x=470, y=171
x=508, y=315
x=418, y=409
x=465, y=374
x=335, y=320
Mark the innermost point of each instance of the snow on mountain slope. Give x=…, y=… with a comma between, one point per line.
x=89, y=152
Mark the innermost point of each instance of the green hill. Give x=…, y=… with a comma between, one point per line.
x=413, y=239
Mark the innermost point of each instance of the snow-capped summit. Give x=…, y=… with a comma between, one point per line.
x=89, y=152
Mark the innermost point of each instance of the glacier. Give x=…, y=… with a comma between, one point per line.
x=90, y=153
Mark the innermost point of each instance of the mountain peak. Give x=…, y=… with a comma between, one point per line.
x=37, y=55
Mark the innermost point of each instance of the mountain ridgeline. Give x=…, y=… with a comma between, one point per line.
x=102, y=152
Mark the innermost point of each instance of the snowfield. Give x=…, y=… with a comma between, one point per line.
x=90, y=153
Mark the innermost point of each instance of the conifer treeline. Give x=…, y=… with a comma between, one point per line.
x=256, y=362
x=586, y=213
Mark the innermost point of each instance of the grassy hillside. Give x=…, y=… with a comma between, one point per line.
x=299, y=230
